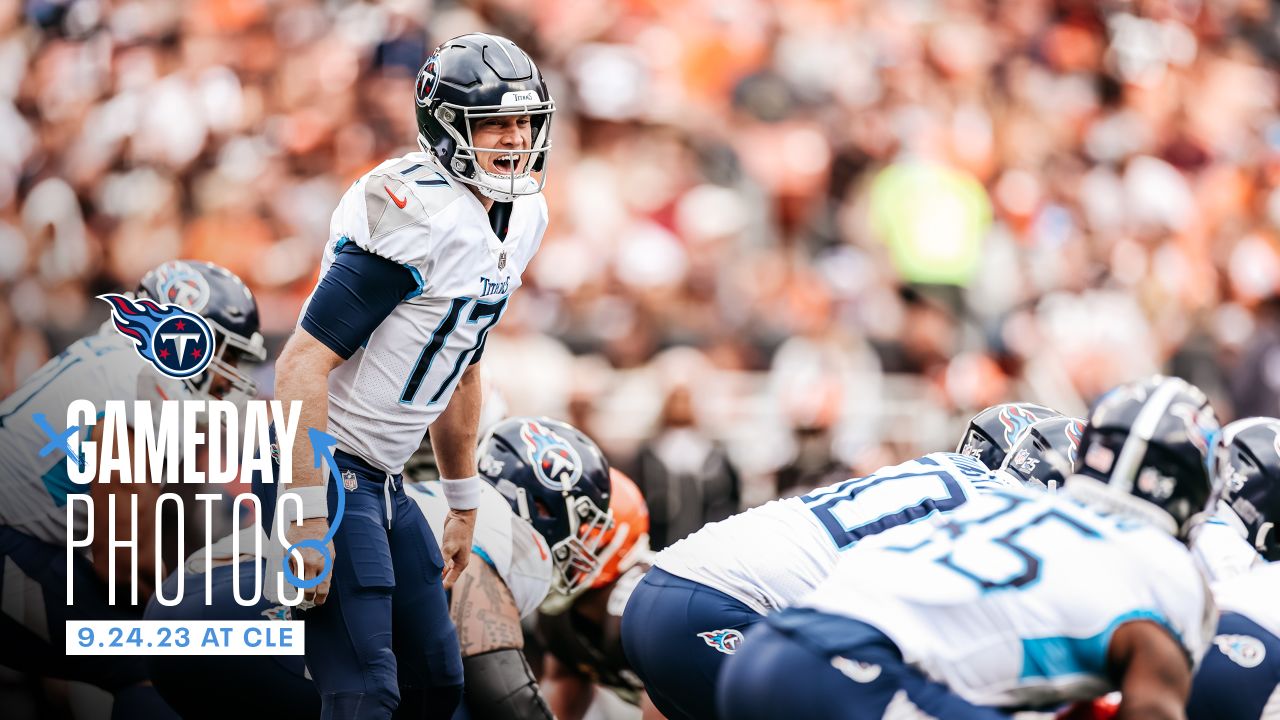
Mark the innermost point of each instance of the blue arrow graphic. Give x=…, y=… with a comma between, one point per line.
x=322, y=454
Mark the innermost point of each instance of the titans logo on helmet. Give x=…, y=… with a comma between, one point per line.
x=554, y=460
x=1075, y=433
x=181, y=285
x=425, y=87
x=177, y=342
x=726, y=641
x=1015, y=420
x=1200, y=423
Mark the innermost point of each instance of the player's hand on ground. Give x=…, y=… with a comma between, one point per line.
x=459, y=526
x=312, y=562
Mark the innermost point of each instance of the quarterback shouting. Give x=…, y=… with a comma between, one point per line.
x=423, y=255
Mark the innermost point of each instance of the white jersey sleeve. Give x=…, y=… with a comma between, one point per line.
x=1221, y=551
x=1012, y=600
x=770, y=556
x=504, y=541
x=389, y=214
x=99, y=368
x=1253, y=594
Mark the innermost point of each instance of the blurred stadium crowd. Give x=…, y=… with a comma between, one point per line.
x=788, y=239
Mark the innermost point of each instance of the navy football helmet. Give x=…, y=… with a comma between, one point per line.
x=476, y=76
x=223, y=300
x=993, y=431
x=557, y=479
x=1247, y=487
x=1147, y=451
x=1047, y=453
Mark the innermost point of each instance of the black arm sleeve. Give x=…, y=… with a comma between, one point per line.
x=500, y=686
x=357, y=293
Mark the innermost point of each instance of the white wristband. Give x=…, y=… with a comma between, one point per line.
x=314, y=499
x=462, y=494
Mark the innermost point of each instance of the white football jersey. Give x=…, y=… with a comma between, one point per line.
x=1253, y=594
x=770, y=556
x=1221, y=550
x=504, y=540
x=97, y=368
x=1011, y=600
x=410, y=211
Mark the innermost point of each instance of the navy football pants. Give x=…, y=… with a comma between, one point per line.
x=383, y=642
x=33, y=626
x=677, y=634
x=218, y=687
x=1240, y=673
x=806, y=665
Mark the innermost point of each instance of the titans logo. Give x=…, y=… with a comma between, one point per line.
x=1015, y=420
x=554, y=460
x=1075, y=434
x=179, y=343
x=725, y=641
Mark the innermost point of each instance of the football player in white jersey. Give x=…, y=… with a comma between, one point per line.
x=423, y=255
x=690, y=611
x=34, y=489
x=1247, y=504
x=1016, y=600
x=1238, y=550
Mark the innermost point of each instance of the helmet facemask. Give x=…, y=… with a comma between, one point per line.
x=578, y=558
x=459, y=122
x=224, y=378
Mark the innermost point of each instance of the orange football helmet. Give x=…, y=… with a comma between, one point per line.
x=626, y=542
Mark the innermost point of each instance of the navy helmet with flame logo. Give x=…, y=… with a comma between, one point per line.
x=1247, y=483
x=993, y=431
x=196, y=322
x=471, y=78
x=557, y=479
x=1046, y=454
x=1147, y=451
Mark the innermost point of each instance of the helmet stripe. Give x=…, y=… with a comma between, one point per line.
x=506, y=52
x=1144, y=427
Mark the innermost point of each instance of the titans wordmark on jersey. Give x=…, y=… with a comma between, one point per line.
x=1012, y=600
x=770, y=556
x=407, y=210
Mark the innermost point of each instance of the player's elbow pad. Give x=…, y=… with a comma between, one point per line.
x=500, y=686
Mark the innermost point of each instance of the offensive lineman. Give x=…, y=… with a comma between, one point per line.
x=586, y=674
x=1246, y=501
x=423, y=255
x=33, y=508
x=1239, y=549
x=994, y=607
x=689, y=613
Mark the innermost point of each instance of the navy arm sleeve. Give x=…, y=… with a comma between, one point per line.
x=357, y=293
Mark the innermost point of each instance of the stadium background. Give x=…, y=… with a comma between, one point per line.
x=788, y=240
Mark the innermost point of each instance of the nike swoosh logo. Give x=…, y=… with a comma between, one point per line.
x=399, y=203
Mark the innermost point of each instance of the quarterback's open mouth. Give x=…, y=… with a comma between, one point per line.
x=506, y=163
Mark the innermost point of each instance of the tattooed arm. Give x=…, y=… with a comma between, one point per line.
x=485, y=612
x=499, y=683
